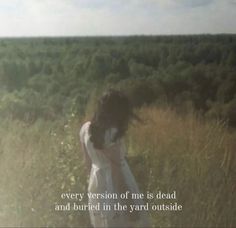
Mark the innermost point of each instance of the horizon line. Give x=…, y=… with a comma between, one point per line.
x=124, y=35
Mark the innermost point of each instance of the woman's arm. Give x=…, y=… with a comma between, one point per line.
x=86, y=158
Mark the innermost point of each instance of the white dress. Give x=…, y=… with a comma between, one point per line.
x=101, y=181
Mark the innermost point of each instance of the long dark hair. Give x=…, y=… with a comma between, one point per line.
x=113, y=110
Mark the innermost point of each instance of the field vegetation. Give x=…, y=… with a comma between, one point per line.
x=182, y=87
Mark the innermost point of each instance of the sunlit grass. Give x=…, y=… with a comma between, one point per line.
x=167, y=152
x=195, y=158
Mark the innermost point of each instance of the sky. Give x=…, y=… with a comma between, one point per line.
x=116, y=17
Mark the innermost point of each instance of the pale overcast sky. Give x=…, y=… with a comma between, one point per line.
x=115, y=17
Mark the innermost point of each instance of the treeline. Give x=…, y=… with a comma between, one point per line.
x=51, y=77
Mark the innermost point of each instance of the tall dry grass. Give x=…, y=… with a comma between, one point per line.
x=37, y=164
x=193, y=156
x=168, y=152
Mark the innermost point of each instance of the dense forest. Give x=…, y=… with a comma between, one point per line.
x=47, y=77
x=183, y=89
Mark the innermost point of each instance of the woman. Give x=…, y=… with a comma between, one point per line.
x=103, y=144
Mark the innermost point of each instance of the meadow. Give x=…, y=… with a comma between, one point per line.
x=188, y=154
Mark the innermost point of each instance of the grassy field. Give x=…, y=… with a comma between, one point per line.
x=188, y=154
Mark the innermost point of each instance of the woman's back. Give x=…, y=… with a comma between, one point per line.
x=110, y=173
